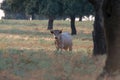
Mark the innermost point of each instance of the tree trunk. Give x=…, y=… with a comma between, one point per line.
x=111, y=11
x=112, y=28
x=33, y=16
x=50, y=23
x=98, y=33
x=73, y=29
x=80, y=18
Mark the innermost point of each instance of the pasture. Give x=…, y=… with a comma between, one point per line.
x=27, y=52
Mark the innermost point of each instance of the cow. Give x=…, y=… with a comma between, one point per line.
x=63, y=40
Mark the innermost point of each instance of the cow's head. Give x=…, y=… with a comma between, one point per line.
x=56, y=33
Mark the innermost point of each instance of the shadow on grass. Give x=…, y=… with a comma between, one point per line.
x=21, y=32
x=54, y=67
x=21, y=61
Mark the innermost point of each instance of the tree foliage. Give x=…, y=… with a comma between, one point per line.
x=72, y=7
x=32, y=6
x=14, y=5
x=51, y=8
x=48, y=7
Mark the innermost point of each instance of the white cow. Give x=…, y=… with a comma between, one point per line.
x=62, y=40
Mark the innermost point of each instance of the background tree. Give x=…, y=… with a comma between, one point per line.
x=14, y=6
x=86, y=9
x=72, y=8
x=76, y=8
x=32, y=7
x=52, y=9
x=98, y=33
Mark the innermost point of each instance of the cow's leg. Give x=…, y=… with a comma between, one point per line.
x=61, y=47
x=70, y=48
x=66, y=48
x=57, y=46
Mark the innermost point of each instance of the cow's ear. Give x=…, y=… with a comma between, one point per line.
x=51, y=31
x=60, y=31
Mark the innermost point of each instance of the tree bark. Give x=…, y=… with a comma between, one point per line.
x=112, y=29
x=93, y=2
x=73, y=29
x=50, y=23
x=80, y=18
x=111, y=11
x=33, y=16
x=98, y=32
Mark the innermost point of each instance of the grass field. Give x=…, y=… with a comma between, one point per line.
x=27, y=52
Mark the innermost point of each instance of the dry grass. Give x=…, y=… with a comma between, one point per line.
x=27, y=52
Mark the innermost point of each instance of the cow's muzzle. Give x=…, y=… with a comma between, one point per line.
x=56, y=38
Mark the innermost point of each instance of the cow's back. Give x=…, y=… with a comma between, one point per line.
x=66, y=39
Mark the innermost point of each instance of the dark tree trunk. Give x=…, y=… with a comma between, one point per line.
x=33, y=16
x=80, y=18
x=73, y=29
x=98, y=32
x=50, y=23
x=112, y=29
x=111, y=11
